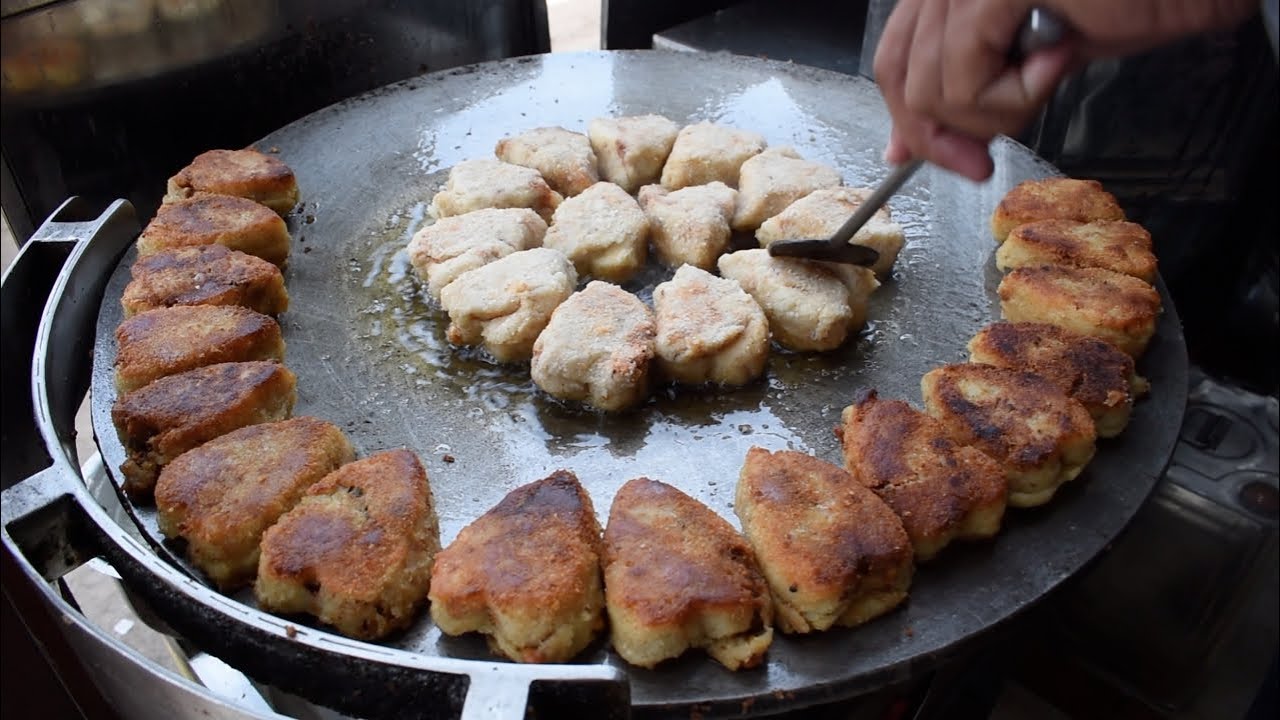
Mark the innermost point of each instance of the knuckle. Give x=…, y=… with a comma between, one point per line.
x=917, y=100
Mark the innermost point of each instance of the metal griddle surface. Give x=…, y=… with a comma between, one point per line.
x=370, y=354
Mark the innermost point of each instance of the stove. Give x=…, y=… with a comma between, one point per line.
x=1180, y=616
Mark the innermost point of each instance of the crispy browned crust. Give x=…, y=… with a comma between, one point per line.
x=170, y=340
x=1090, y=301
x=1064, y=198
x=1092, y=371
x=825, y=543
x=204, y=275
x=939, y=489
x=160, y=421
x=674, y=568
x=1117, y=245
x=243, y=173
x=526, y=573
x=1039, y=436
x=224, y=494
x=357, y=550
x=208, y=219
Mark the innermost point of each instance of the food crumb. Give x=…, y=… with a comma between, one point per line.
x=447, y=458
x=291, y=631
x=274, y=149
x=909, y=631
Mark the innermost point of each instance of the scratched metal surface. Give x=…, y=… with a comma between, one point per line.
x=370, y=354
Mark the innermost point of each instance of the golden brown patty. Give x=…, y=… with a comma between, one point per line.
x=356, y=551
x=1063, y=198
x=204, y=275
x=242, y=173
x=1117, y=245
x=205, y=219
x=174, y=414
x=223, y=495
x=1040, y=437
x=676, y=576
x=831, y=550
x=1089, y=301
x=526, y=574
x=939, y=489
x=175, y=339
x=1092, y=371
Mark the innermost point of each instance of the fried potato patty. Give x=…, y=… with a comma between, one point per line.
x=597, y=348
x=706, y=152
x=490, y=183
x=821, y=213
x=1040, y=437
x=772, y=180
x=691, y=225
x=833, y=552
x=603, y=231
x=526, y=574
x=563, y=157
x=204, y=275
x=676, y=576
x=243, y=173
x=221, y=496
x=170, y=340
x=630, y=151
x=810, y=305
x=445, y=249
x=160, y=421
x=1049, y=198
x=506, y=304
x=940, y=490
x=206, y=219
x=1117, y=245
x=1094, y=372
x=1117, y=308
x=357, y=550
x=709, y=329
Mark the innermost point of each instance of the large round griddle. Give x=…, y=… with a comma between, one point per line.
x=370, y=355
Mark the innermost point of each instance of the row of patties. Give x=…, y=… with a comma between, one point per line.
x=204, y=413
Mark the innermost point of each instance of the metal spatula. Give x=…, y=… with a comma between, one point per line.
x=837, y=247
x=1041, y=30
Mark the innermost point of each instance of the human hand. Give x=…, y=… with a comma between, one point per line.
x=943, y=65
